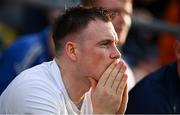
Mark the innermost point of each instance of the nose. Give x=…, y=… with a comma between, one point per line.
x=115, y=54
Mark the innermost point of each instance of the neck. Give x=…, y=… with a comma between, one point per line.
x=75, y=84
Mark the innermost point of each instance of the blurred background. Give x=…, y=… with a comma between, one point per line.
x=155, y=26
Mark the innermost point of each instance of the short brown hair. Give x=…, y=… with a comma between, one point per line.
x=75, y=20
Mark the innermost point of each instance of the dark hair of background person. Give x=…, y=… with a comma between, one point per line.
x=87, y=3
x=75, y=20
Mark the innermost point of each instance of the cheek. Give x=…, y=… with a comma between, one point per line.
x=98, y=64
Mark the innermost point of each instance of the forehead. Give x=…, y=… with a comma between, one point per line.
x=99, y=30
x=123, y=5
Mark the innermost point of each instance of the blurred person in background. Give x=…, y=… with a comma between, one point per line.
x=27, y=51
x=7, y=32
x=87, y=75
x=122, y=19
x=166, y=41
x=148, y=47
x=158, y=92
x=121, y=22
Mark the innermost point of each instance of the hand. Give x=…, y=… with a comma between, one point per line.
x=124, y=102
x=108, y=92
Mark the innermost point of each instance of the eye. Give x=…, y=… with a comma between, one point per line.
x=105, y=44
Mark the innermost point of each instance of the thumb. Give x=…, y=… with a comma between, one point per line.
x=93, y=83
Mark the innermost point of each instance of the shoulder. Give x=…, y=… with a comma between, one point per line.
x=33, y=92
x=27, y=39
x=149, y=95
x=157, y=77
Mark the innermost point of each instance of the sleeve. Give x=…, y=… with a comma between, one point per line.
x=34, y=97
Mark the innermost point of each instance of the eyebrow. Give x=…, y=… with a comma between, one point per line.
x=107, y=41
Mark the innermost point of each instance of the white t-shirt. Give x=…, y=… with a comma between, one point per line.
x=40, y=90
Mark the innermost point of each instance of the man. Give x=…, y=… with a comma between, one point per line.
x=159, y=92
x=87, y=75
x=121, y=22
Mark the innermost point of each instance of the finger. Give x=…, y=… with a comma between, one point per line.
x=113, y=75
x=105, y=75
x=123, y=68
x=117, y=81
x=124, y=101
x=118, y=77
x=122, y=84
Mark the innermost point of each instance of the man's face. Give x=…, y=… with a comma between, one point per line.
x=122, y=20
x=97, y=49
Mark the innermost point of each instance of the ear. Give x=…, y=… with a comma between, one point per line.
x=177, y=49
x=71, y=50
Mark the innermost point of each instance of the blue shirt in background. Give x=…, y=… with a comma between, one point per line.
x=26, y=52
x=158, y=93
